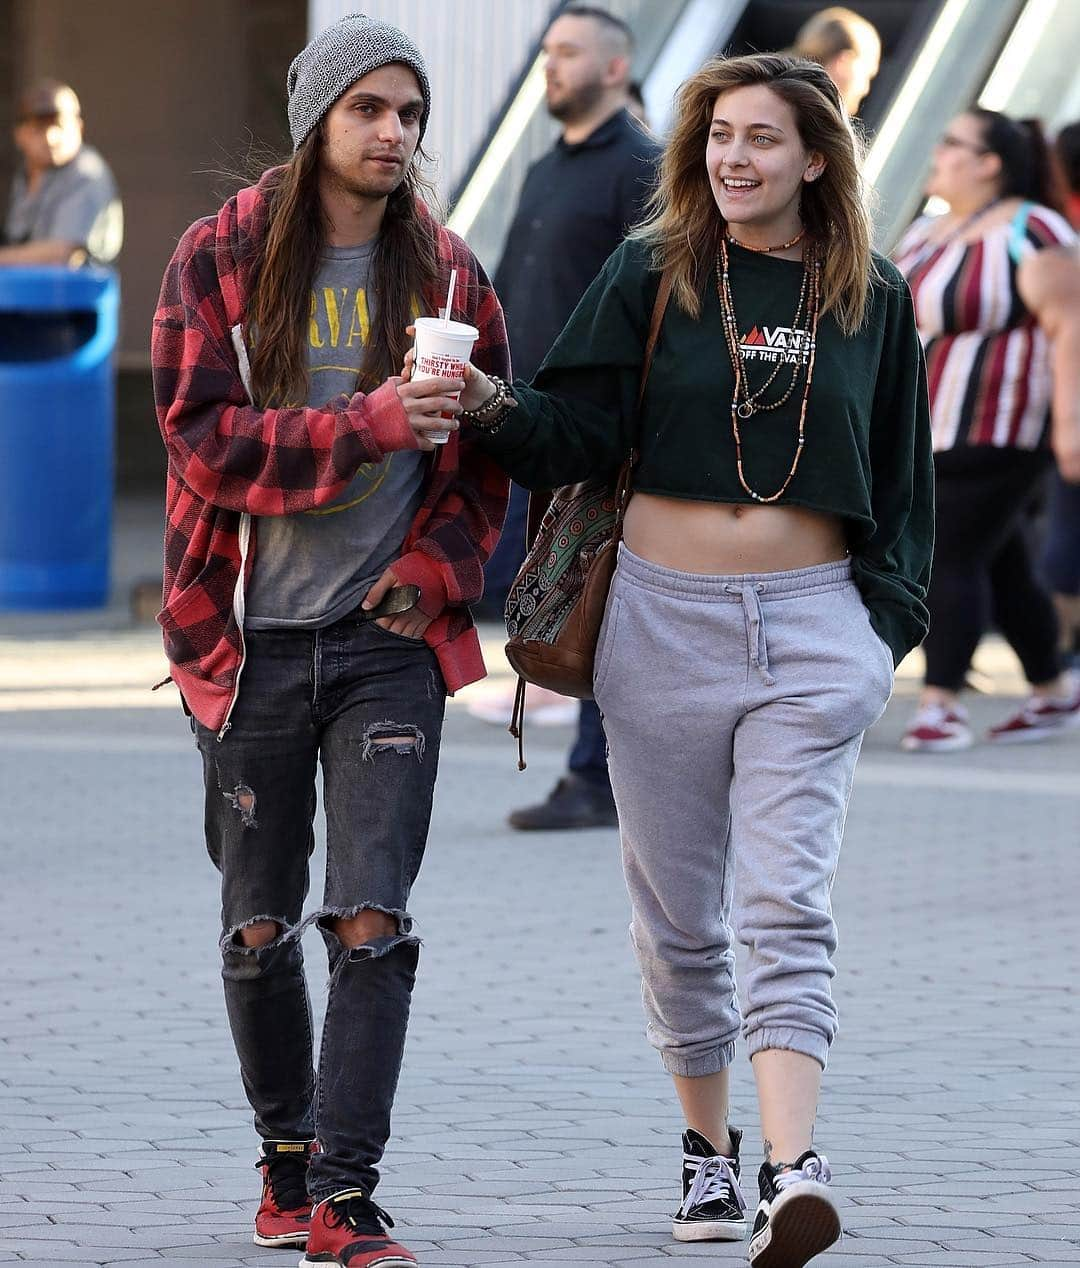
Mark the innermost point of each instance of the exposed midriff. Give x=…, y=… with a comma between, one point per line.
x=724, y=538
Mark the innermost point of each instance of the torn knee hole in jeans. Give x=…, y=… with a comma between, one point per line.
x=378, y=945
x=242, y=800
x=232, y=940
x=400, y=738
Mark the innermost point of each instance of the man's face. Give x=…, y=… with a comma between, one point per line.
x=370, y=134
x=578, y=66
x=49, y=138
x=853, y=71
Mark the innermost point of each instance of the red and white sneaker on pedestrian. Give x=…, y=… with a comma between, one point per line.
x=938, y=728
x=1041, y=718
x=350, y=1230
x=284, y=1214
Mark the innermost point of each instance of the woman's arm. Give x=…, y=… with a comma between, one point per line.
x=576, y=420
x=1049, y=284
x=892, y=567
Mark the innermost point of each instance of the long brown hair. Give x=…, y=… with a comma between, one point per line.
x=684, y=225
x=404, y=266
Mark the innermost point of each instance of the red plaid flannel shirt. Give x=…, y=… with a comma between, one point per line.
x=229, y=461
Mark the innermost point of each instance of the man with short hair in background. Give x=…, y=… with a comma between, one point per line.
x=848, y=46
x=576, y=205
x=64, y=206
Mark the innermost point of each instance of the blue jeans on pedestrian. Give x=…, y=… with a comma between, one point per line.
x=368, y=706
x=588, y=757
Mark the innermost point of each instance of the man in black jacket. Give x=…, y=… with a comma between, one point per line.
x=576, y=205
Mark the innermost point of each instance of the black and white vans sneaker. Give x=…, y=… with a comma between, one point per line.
x=796, y=1218
x=713, y=1207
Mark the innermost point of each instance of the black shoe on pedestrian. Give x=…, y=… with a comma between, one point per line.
x=713, y=1207
x=574, y=802
x=796, y=1218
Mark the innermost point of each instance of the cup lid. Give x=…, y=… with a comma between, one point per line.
x=450, y=329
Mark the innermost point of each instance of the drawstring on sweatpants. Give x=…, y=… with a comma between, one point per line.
x=755, y=626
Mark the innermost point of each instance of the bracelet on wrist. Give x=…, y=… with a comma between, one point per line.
x=490, y=416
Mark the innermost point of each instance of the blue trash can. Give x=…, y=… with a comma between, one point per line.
x=57, y=333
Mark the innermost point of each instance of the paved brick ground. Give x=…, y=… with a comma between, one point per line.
x=533, y=1123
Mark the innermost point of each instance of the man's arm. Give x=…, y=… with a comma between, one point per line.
x=1049, y=284
x=47, y=251
x=447, y=560
x=273, y=461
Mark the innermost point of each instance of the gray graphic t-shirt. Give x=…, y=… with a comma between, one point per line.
x=313, y=568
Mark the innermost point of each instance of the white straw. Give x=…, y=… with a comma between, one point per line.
x=450, y=297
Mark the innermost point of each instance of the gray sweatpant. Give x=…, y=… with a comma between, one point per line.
x=734, y=708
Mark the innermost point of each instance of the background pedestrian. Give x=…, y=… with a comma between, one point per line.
x=994, y=287
x=576, y=205
x=64, y=207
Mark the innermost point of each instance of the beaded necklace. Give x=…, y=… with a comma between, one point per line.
x=746, y=402
x=780, y=246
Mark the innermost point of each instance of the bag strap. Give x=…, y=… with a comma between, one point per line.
x=667, y=281
x=622, y=490
x=1018, y=231
x=622, y=485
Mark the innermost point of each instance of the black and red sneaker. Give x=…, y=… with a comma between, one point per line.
x=284, y=1214
x=1041, y=718
x=350, y=1230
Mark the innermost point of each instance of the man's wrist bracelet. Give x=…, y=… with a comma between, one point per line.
x=490, y=416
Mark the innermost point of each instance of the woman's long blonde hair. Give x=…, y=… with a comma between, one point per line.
x=684, y=225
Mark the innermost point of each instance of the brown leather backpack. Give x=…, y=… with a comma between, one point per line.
x=555, y=607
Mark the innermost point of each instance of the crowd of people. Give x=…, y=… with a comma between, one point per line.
x=839, y=457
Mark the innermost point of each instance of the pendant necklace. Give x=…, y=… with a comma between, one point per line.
x=744, y=402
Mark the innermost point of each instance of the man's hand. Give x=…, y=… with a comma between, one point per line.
x=411, y=624
x=1065, y=441
x=425, y=404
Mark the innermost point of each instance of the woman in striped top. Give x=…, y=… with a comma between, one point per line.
x=998, y=309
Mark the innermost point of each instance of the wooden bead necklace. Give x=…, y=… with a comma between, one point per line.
x=746, y=402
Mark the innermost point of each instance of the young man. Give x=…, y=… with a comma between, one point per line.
x=576, y=205
x=307, y=508
x=64, y=205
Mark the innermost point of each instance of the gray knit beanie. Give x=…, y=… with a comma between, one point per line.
x=350, y=48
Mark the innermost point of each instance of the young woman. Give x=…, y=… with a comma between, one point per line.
x=997, y=300
x=775, y=559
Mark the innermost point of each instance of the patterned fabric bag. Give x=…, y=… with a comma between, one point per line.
x=556, y=604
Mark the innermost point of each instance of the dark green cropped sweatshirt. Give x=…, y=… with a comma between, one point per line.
x=867, y=456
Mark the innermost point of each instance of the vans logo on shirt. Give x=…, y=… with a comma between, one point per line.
x=786, y=345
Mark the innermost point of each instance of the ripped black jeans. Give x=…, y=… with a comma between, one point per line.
x=368, y=705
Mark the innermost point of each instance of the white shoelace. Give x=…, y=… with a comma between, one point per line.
x=715, y=1178
x=812, y=1169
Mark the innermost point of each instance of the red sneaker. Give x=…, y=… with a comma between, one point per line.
x=937, y=728
x=350, y=1230
x=1039, y=719
x=284, y=1214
